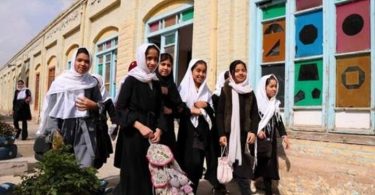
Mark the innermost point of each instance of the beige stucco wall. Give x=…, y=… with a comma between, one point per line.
x=219, y=36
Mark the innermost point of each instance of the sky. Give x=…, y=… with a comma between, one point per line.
x=22, y=20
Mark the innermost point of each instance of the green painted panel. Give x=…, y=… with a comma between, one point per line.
x=308, y=81
x=188, y=14
x=100, y=69
x=170, y=39
x=274, y=11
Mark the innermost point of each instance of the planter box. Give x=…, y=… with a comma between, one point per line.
x=7, y=140
x=8, y=152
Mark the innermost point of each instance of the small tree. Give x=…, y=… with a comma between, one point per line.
x=59, y=173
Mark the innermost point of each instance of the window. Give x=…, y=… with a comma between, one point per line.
x=69, y=64
x=173, y=33
x=51, y=76
x=106, y=60
x=273, y=33
x=36, y=102
x=321, y=53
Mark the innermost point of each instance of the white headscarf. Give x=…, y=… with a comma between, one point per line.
x=103, y=91
x=141, y=72
x=21, y=93
x=68, y=87
x=267, y=108
x=235, y=151
x=220, y=83
x=190, y=94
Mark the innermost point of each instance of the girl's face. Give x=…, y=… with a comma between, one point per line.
x=240, y=73
x=82, y=63
x=271, y=88
x=20, y=85
x=165, y=68
x=152, y=58
x=199, y=74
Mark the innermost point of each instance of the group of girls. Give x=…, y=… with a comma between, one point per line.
x=148, y=102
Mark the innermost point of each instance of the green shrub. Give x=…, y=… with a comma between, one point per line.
x=59, y=173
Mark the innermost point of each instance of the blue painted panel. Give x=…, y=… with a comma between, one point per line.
x=309, y=34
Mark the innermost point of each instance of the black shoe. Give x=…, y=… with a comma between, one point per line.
x=18, y=133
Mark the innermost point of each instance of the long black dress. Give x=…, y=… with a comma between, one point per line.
x=21, y=112
x=103, y=139
x=268, y=167
x=193, y=144
x=249, y=120
x=172, y=100
x=136, y=102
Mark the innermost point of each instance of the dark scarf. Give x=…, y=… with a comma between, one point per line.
x=167, y=81
x=173, y=98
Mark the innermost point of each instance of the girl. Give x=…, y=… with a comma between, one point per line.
x=21, y=108
x=70, y=105
x=141, y=121
x=172, y=103
x=103, y=139
x=195, y=124
x=237, y=119
x=266, y=146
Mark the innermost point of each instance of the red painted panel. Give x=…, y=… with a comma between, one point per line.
x=353, y=26
x=306, y=4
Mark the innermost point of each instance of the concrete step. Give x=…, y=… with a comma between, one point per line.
x=24, y=161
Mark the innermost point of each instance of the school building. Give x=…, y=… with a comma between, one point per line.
x=323, y=53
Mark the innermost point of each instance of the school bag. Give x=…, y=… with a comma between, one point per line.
x=166, y=174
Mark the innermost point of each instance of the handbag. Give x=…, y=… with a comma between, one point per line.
x=264, y=148
x=224, y=168
x=42, y=145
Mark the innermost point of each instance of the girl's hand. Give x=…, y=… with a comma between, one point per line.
x=167, y=110
x=200, y=104
x=250, y=138
x=261, y=135
x=223, y=141
x=156, y=137
x=144, y=130
x=195, y=111
x=286, y=141
x=84, y=103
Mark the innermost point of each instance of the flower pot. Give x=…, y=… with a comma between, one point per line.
x=7, y=140
x=8, y=152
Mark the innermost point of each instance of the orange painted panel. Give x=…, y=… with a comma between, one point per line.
x=353, y=76
x=274, y=41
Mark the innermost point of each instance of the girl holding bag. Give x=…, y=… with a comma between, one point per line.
x=266, y=145
x=141, y=120
x=238, y=123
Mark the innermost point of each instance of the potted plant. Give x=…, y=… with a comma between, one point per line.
x=59, y=173
x=7, y=137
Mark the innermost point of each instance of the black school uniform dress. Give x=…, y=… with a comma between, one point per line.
x=21, y=112
x=268, y=167
x=136, y=102
x=172, y=100
x=193, y=145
